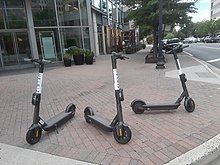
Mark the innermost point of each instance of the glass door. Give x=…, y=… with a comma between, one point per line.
x=48, y=47
x=8, y=50
x=22, y=46
x=14, y=48
x=1, y=61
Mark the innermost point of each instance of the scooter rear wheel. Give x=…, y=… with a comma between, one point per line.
x=33, y=136
x=90, y=112
x=126, y=135
x=189, y=104
x=137, y=106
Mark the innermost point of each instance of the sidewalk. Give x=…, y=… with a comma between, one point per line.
x=157, y=137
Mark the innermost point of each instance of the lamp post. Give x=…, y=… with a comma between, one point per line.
x=160, y=57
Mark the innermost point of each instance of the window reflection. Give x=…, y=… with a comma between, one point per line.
x=69, y=13
x=71, y=37
x=97, y=4
x=12, y=15
x=110, y=11
x=104, y=6
x=84, y=14
x=86, y=38
x=100, y=4
x=43, y=13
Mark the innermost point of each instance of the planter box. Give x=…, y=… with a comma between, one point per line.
x=89, y=60
x=78, y=59
x=67, y=62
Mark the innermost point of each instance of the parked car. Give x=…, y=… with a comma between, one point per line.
x=190, y=40
x=209, y=39
x=170, y=43
x=217, y=39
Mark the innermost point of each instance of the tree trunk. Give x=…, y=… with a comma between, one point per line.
x=152, y=57
x=155, y=44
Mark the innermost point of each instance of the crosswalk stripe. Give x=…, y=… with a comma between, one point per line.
x=214, y=60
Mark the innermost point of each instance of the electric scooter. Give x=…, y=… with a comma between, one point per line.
x=139, y=106
x=34, y=132
x=121, y=132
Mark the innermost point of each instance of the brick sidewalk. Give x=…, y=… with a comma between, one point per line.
x=156, y=137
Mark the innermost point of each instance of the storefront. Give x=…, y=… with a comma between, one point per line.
x=30, y=29
x=46, y=28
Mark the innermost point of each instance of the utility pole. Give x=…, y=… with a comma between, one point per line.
x=160, y=57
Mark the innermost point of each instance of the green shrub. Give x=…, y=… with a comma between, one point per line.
x=150, y=39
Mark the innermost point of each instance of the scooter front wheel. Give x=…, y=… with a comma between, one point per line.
x=71, y=108
x=126, y=135
x=33, y=135
x=189, y=104
x=137, y=106
x=88, y=112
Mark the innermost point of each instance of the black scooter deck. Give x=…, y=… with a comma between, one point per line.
x=57, y=120
x=101, y=122
x=161, y=107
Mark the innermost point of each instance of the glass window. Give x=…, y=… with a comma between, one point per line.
x=43, y=13
x=23, y=46
x=119, y=16
x=84, y=14
x=69, y=13
x=12, y=3
x=97, y=4
x=2, y=24
x=86, y=38
x=16, y=19
x=110, y=10
x=71, y=37
x=12, y=15
x=50, y=35
x=8, y=49
x=114, y=14
x=104, y=6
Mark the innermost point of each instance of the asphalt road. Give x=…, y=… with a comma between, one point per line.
x=209, y=52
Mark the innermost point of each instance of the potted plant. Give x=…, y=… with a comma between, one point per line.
x=67, y=59
x=89, y=57
x=78, y=55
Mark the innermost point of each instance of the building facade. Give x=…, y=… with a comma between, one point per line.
x=46, y=28
x=215, y=9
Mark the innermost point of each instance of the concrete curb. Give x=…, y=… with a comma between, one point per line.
x=200, y=155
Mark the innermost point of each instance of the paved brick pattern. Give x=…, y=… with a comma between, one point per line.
x=157, y=137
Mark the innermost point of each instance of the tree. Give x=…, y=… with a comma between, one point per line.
x=146, y=15
x=204, y=28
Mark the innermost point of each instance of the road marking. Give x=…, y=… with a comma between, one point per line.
x=214, y=60
x=188, y=53
x=209, y=47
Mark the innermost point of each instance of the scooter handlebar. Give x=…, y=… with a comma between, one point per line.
x=37, y=60
x=119, y=55
x=27, y=60
x=177, y=47
x=46, y=61
x=185, y=46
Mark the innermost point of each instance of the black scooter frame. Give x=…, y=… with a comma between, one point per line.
x=121, y=132
x=139, y=106
x=34, y=132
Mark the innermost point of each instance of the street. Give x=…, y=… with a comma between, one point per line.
x=208, y=52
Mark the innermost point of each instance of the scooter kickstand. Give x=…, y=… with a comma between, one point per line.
x=56, y=129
